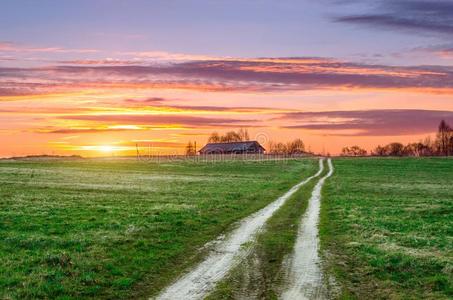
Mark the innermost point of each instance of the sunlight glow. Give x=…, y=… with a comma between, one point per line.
x=106, y=148
x=103, y=148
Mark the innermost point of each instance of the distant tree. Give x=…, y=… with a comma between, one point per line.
x=421, y=148
x=442, y=145
x=190, y=149
x=451, y=143
x=428, y=147
x=230, y=136
x=380, y=151
x=444, y=134
x=395, y=149
x=214, y=138
x=417, y=149
x=295, y=147
x=353, y=151
x=358, y=151
x=243, y=134
x=277, y=148
x=345, y=151
x=411, y=149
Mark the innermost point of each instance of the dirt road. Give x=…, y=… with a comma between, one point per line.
x=304, y=277
x=228, y=252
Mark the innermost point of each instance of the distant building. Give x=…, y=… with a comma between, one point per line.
x=233, y=148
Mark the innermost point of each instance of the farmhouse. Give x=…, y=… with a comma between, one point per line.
x=233, y=148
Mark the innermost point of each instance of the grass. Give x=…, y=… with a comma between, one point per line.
x=387, y=228
x=261, y=276
x=121, y=229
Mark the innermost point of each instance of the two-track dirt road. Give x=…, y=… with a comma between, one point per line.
x=304, y=278
x=230, y=251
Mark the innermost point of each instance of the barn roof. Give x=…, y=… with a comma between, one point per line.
x=230, y=147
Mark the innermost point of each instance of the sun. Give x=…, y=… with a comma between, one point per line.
x=106, y=148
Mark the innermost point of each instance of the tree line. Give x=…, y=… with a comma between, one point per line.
x=296, y=146
x=442, y=145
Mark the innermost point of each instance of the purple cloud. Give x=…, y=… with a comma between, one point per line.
x=418, y=16
x=370, y=122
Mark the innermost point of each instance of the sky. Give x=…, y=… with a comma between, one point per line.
x=98, y=77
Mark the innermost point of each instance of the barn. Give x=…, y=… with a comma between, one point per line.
x=233, y=148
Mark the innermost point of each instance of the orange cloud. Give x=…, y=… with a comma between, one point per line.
x=153, y=120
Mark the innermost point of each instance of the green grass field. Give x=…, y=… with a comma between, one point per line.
x=387, y=227
x=121, y=229
x=125, y=229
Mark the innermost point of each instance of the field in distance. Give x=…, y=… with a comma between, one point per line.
x=120, y=229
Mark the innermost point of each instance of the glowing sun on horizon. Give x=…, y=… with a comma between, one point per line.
x=106, y=148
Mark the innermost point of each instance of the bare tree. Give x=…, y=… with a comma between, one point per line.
x=277, y=148
x=428, y=147
x=395, y=149
x=413, y=149
x=190, y=149
x=243, y=134
x=353, y=151
x=451, y=143
x=380, y=151
x=296, y=147
x=230, y=136
x=444, y=136
x=214, y=138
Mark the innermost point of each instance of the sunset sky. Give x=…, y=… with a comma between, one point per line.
x=98, y=77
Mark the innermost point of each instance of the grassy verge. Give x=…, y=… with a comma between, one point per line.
x=260, y=275
x=119, y=229
x=387, y=228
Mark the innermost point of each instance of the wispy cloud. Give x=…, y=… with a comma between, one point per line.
x=147, y=101
x=417, y=16
x=15, y=47
x=168, y=56
x=84, y=130
x=444, y=51
x=184, y=121
x=102, y=62
x=369, y=122
x=158, y=103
